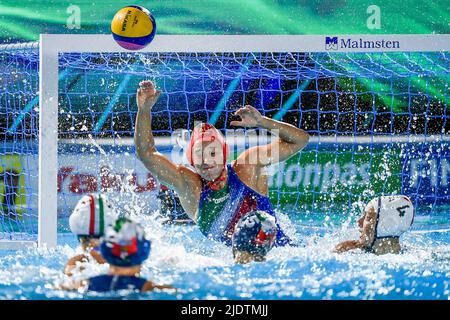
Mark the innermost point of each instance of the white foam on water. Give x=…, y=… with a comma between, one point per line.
x=199, y=266
x=173, y=248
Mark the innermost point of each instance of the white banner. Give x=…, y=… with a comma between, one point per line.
x=122, y=177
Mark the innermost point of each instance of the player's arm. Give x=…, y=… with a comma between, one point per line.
x=289, y=141
x=73, y=285
x=348, y=245
x=167, y=172
x=98, y=257
x=368, y=228
x=367, y=225
x=150, y=286
x=72, y=263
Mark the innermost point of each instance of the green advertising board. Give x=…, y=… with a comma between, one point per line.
x=334, y=176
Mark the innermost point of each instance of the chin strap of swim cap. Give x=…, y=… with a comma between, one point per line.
x=215, y=184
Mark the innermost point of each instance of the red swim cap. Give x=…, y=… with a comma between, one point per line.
x=206, y=132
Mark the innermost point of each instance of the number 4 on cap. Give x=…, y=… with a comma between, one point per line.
x=402, y=211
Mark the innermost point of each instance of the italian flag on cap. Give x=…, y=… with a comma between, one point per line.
x=96, y=202
x=92, y=214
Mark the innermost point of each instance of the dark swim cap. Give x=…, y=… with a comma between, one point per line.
x=124, y=244
x=255, y=233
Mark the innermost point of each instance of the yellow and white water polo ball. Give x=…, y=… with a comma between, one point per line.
x=133, y=27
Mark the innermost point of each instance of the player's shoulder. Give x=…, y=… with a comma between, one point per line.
x=188, y=172
x=189, y=176
x=245, y=168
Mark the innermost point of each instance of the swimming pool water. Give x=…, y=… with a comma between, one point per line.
x=202, y=269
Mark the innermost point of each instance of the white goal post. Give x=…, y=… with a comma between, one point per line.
x=51, y=45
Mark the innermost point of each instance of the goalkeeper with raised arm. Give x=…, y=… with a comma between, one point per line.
x=213, y=193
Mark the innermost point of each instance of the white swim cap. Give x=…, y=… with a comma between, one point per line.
x=395, y=215
x=92, y=214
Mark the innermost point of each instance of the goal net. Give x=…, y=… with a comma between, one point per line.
x=377, y=114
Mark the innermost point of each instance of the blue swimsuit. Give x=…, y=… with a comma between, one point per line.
x=220, y=210
x=109, y=282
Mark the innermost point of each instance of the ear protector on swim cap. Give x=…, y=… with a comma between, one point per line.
x=124, y=244
x=92, y=214
x=255, y=233
x=206, y=132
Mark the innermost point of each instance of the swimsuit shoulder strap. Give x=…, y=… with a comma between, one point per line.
x=232, y=175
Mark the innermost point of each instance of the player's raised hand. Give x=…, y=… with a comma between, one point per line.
x=147, y=95
x=250, y=117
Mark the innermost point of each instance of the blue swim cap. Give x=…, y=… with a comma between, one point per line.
x=255, y=233
x=124, y=244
